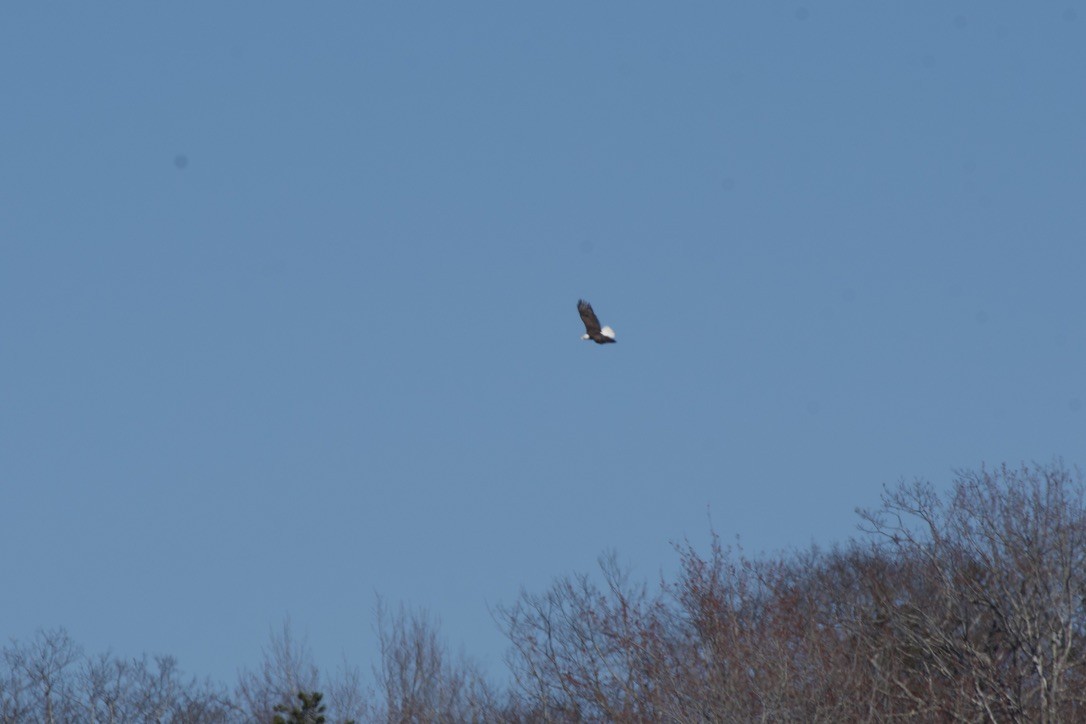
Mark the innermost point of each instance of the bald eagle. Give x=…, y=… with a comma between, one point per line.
x=593, y=331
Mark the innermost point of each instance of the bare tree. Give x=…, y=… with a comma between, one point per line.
x=40, y=683
x=115, y=691
x=761, y=640
x=583, y=651
x=50, y=680
x=964, y=606
x=417, y=679
x=348, y=697
x=985, y=618
x=287, y=669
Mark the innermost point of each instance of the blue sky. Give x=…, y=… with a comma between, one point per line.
x=287, y=295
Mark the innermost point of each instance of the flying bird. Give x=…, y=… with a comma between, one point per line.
x=593, y=331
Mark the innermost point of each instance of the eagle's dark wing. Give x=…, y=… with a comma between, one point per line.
x=591, y=323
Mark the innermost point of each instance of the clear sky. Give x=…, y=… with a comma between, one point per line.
x=288, y=295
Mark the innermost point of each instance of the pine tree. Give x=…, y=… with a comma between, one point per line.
x=311, y=711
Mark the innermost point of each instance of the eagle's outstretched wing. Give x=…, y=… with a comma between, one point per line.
x=591, y=322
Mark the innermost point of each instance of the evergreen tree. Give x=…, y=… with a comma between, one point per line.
x=311, y=711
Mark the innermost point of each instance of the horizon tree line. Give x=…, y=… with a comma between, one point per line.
x=964, y=605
